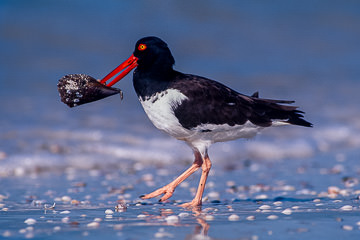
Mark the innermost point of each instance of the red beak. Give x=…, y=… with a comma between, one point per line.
x=125, y=67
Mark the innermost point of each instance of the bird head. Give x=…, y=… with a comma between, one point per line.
x=151, y=54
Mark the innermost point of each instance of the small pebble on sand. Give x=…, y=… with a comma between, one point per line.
x=172, y=219
x=109, y=212
x=209, y=217
x=264, y=207
x=30, y=221
x=230, y=183
x=184, y=184
x=65, y=198
x=339, y=219
x=288, y=188
x=214, y=195
x=347, y=227
x=75, y=202
x=272, y=217
x=121, y=207
x=147, y=177
x=234, y=217
x=93, y=225
x=6, y=233
x=287, y=211
x=333, y=190
x=250, y=218
x=118, y=226
x=261, y=197
x=162, y=234
x=57, y=228
x=29, y=235
x=346, y=208
x=183, y=214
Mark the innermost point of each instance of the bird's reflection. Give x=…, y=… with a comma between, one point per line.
x=201, y=230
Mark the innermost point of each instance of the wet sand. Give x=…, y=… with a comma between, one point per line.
x=257, y=200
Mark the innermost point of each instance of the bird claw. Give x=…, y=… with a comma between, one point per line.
x=166, y=190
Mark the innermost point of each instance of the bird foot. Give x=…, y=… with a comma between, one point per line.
x=194, y=204
x=166, y=190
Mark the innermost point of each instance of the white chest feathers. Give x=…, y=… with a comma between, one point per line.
x=160, y=110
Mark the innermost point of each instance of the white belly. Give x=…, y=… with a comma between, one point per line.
x=224, y=132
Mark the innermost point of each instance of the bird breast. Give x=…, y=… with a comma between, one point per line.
x=160, y=109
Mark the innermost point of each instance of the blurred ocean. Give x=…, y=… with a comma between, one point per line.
x=307, y=51
x=287, y=183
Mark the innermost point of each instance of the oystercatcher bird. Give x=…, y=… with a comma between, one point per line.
x=195, y=109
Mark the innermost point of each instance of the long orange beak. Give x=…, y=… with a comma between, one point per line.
x=123, y=69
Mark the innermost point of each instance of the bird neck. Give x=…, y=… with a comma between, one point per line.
x=148, y=83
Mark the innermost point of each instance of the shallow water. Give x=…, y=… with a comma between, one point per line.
x=254, y=201
x=108, y=150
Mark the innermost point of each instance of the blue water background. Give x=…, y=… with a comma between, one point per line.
x=307, y=51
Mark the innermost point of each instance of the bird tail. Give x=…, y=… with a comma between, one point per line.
x=296, y=118
x=269, y=110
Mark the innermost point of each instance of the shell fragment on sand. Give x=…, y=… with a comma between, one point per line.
x=78, y=89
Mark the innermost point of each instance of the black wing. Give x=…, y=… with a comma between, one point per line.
x=210, y=102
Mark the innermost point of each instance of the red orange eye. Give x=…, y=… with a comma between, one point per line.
x=142, y=47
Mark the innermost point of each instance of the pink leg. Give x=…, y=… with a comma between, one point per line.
x=168, y=189
x=197, y=201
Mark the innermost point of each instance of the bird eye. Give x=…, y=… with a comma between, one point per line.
x=142, y=47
